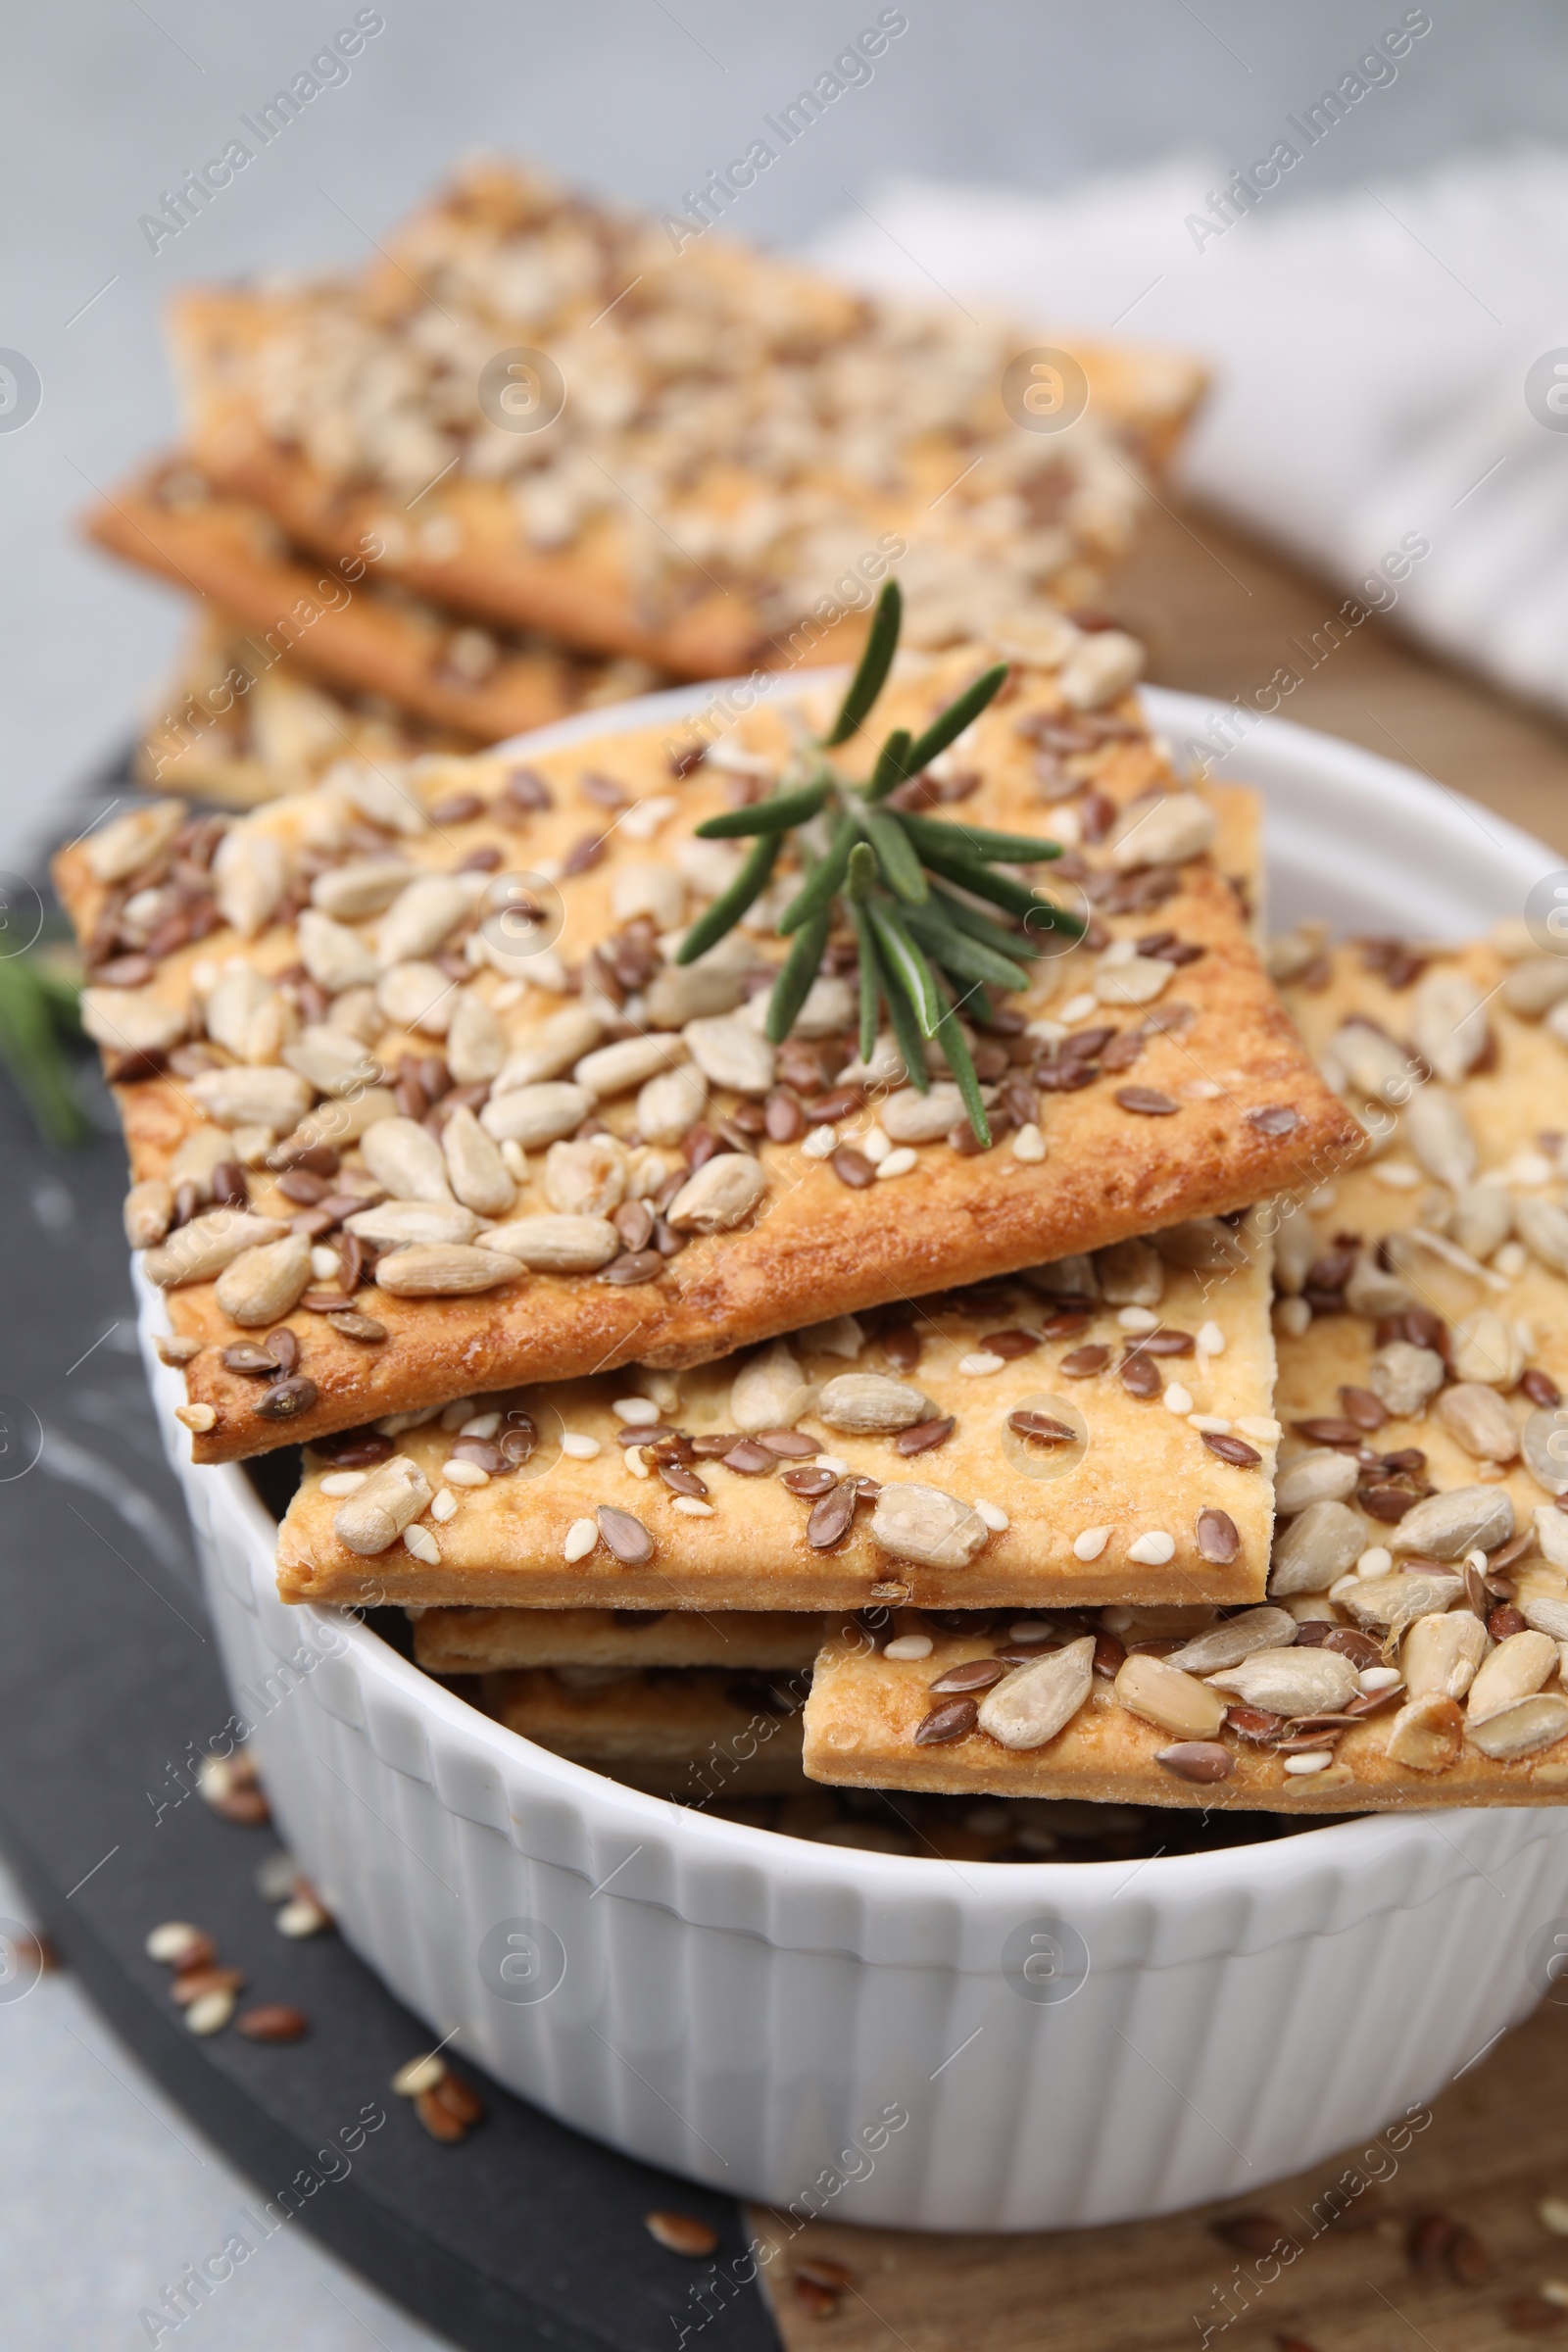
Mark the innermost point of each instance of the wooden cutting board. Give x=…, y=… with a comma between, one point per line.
x=1222, y=616
x=1483, y=2157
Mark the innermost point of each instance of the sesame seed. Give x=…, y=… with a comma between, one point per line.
x=976, y=1366
x=1154, y=1549
x=1376, y=1560
x=1397, y=1174
x=1177, y=1398
x=481, y=1425
x=1511, y=1260
x=993, y=1516
x=1261, y=1425
x=909, y=1646
x=876, y=1146
x=581, y=1448
x=636, y=1462
x=581, y=1536
x=1091, y=1544
x=1318, y=1760
x=301, y=1917
x=444, y=1507
x=210, y=2013
x=326, y=1264
x=638, y=1412
x=458, y=1473
x=1137, y=1318
x=1378, y=1677
x=692, y=1506
x=419, y=2074
x=422, y=1545
x=1213, y=1425
x=1078, y=1009
x=1029, y=1145
x=831, y=1461
x=1211, y=1340
x=199, y=1418
x=822, y=1142
x=1318, y=1203
x=1202, y=1090
x=339, y=1482
x=898, y=1162
x=1294, y=1317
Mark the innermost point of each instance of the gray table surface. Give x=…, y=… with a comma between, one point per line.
x=105, y=2190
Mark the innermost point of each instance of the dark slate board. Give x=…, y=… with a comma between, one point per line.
x=110, y=1687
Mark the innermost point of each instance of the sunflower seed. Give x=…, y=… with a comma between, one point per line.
x=1426, y=1734
x=1449, y=1026
x=614, y=1069
x=419, y=920
x=534, y=1115
x=1167, y=831
x=407, y=1159
x=391, y=1499
x=1439, y=1134
x=557, y=1244
x=1522, y=1729
x=1444, y=1527
x=770, y=1392
x=730, y=1054
x=1396, y=1602
x=1290, y=1682
x=1479, y=1420
x=394, y=1224
x=927, y=1526
x=1516, y=1669
x=1403, y=1377
x=1442, y=1653
x=265, y=1283
x=1321, y=1476
x=870, y=1404
x=1233, y=1640
x=910, y=1117
x=443, y=1270
x=1544, y=1443
x=1163, y=1695
x=476, y=1169
x=1481, y=1220
x=253, y=1097
x=670, y=1103
x=1486, y=1349
x=133, y=841
x=201, y=1250
x=476, y=1043
x=549, y=1050
x=721, y=1194
x=1543, y=1227
x=1319, y=1546
x=1537, y=984
x=1034, y=1704
x=149, y=1206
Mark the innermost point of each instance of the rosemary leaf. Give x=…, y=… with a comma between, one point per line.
x=890, y=771
x=825, y=879
x=951, y=1039
x=966, y=958
x=895, y=854
x=872, y=979
x=726, y=911
x=981, y=880
x=794, y=983
x=975, y=925
x=1019, y=849
x=950, y=724
x=875, y=663
x=907, y=965
x=774, y=816
x=861, y=877
x=905, y=1022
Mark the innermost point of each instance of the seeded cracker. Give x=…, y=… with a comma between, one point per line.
x=849, y=1464
x=697, y=462
x=439, y=674
x=403, y=961
x=1410, y=1652
x=488, y=1640
x=693, y=1733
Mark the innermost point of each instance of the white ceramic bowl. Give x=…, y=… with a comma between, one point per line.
x=923, y=2043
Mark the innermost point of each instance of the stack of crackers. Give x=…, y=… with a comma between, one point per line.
x=1138, y=1387
x=543, y=455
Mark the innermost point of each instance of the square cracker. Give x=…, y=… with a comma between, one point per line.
x=490, y=1641
x=1141, y=1470
x=338, y=626
x=729, y=450
x=865, y=1709
x=694, y=1732
x=1248, y=1113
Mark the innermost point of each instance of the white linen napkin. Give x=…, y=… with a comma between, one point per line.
x=1372, y=354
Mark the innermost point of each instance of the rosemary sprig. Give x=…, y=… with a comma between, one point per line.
x=39, y=992
x=907, y=884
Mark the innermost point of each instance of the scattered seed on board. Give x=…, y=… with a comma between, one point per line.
x=681, y=2233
